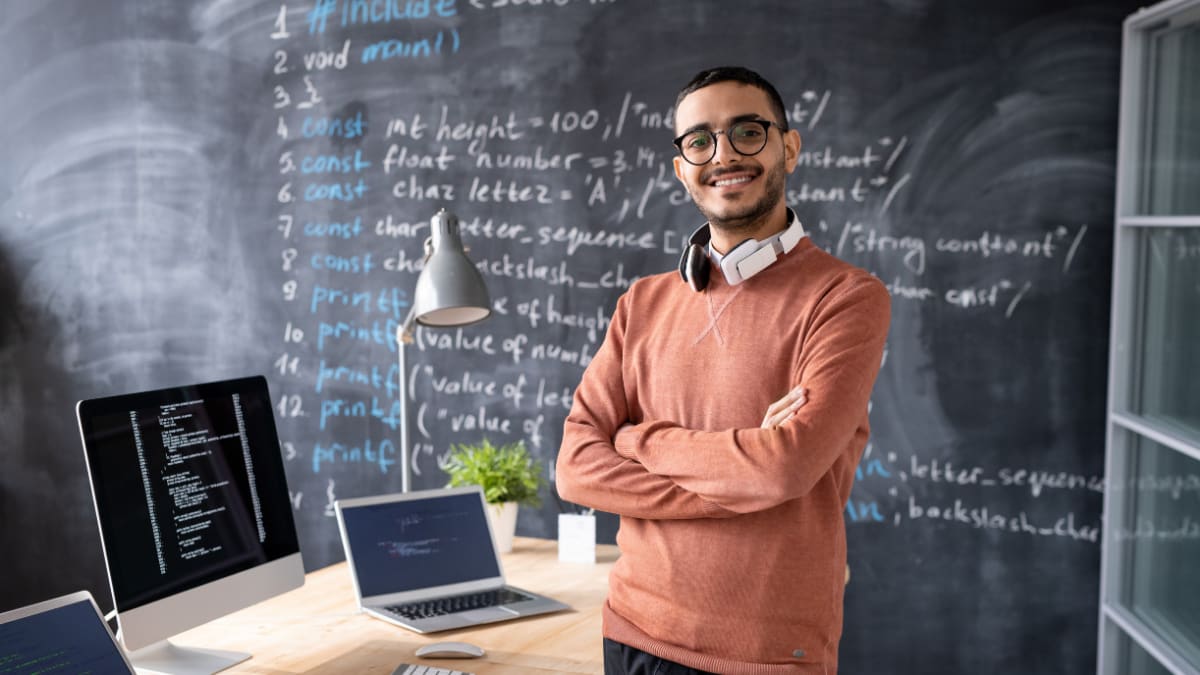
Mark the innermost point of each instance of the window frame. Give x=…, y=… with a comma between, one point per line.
x=1124, y=426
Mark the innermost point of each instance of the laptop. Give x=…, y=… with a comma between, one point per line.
x=66, y=634
x=426, y=561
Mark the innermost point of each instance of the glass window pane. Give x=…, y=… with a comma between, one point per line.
x=1171, y=162
x=1133, y=659
x=1167, y=367
x=1159, y=541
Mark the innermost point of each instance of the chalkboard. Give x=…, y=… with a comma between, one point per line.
x=196, y=191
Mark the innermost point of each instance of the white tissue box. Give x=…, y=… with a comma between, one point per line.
x=576, y=538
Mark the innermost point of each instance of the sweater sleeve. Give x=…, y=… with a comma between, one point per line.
x=747, y=470
x=590, y=472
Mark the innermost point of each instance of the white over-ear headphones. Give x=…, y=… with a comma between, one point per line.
x=743, y=261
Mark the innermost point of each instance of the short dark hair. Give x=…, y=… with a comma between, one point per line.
x=736, y=74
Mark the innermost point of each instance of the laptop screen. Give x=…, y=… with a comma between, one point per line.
x=67, y=639
x=420, y=543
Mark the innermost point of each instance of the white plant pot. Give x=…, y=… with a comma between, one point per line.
x=503, y=519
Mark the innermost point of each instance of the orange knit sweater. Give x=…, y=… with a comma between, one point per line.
x=732, y=540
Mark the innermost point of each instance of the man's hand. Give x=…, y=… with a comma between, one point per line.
x=625, y=440
x=777, y=413
x=782, y=410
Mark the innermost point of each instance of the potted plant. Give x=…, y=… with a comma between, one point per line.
x=508, y=476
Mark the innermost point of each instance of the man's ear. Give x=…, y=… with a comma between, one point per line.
x=677, y=162
x=791, y=149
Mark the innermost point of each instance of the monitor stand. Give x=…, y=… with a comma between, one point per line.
x=168, y=658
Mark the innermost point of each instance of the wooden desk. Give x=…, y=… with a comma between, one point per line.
x=318, y=628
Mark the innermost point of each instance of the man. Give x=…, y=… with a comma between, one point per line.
x=723, y=418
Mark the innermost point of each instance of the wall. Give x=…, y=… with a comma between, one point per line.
x=196, y=192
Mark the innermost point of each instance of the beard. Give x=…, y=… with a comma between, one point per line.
x=748, y=218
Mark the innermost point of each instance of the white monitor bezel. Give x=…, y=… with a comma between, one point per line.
x=164, y=618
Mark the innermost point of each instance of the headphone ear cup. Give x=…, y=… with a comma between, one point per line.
x=694, y=267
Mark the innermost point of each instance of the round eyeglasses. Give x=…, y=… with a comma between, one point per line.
x=747, y=138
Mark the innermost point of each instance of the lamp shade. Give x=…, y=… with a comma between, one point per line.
x=450, y=291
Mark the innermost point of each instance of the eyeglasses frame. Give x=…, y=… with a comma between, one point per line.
x=766, y=127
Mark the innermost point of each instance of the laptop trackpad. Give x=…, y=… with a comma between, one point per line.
x=488, y=614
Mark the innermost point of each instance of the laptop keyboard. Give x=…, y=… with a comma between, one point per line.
x=458, y=603
x=418, y=669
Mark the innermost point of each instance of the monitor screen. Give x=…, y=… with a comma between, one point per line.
x=412, y=544
x=189, y=486
x=69, y=638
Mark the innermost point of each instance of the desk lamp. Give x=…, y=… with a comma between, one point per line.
x=450, y=292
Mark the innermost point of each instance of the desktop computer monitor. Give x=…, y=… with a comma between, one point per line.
x=194, y=512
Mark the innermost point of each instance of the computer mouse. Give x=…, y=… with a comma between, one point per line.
x=450, y=650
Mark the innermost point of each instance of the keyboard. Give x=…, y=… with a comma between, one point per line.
x=458, y=603
x=414, y=669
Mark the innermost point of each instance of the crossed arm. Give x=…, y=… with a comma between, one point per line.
x=659, y=470
x=592, y=473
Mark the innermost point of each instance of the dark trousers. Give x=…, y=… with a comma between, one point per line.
x=621, y=659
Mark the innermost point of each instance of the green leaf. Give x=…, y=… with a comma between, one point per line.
x=506, y=473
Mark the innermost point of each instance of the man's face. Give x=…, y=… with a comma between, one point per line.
x=737, y=194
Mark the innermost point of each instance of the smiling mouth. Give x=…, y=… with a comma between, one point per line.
x=732, y=180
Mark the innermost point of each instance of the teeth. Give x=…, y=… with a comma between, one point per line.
x=732, y=181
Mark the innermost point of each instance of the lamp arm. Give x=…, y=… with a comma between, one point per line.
x=404, y=337
x=400, y=347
